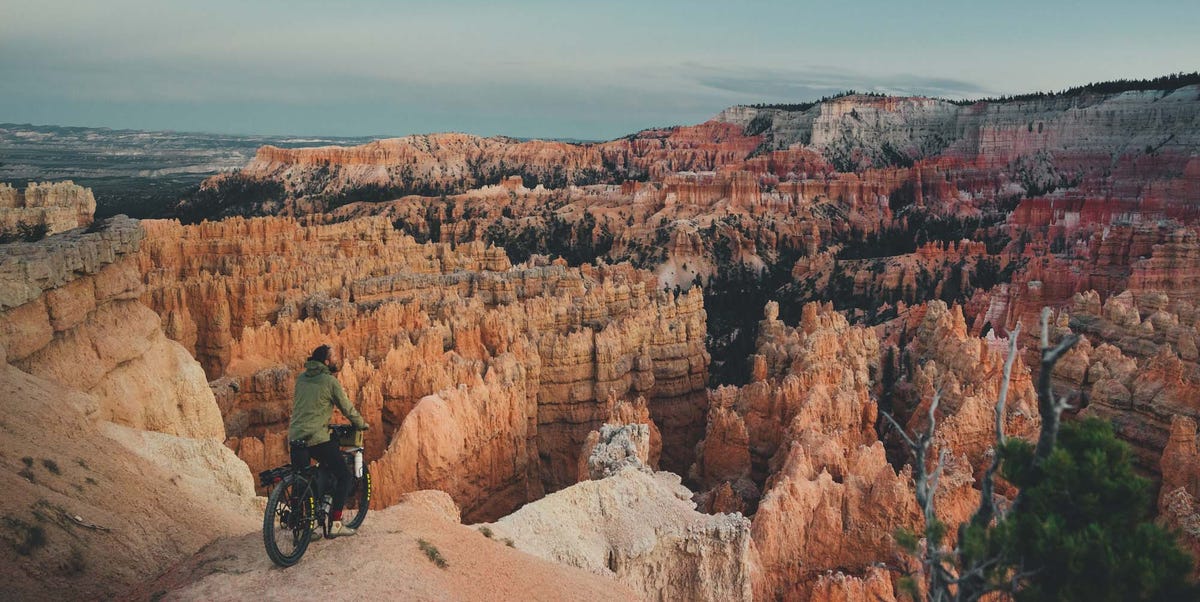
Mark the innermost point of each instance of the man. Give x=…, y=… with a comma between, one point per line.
x=316, y=393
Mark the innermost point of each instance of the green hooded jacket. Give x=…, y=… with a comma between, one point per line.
x=316, y=393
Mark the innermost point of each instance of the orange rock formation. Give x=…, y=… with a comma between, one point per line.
x=112, y=444
x=447, y=337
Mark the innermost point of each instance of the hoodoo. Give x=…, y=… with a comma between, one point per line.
x=856, y=348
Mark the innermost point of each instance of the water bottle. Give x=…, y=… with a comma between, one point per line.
x=358, y=464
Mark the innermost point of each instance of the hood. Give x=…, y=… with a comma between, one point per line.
x=312, y=368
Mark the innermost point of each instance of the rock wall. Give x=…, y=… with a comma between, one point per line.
x=56, y=206
x=1137, y=367
x=1179, y=496
x=114, y=467
x=1084, y=126
x=316, y=178
x=71, y=314
x=797, y=449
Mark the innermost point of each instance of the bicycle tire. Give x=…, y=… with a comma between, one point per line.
x=280, y=515
x=361, y=495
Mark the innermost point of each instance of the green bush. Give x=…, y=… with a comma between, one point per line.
x=24, y=233
x=1082, y=526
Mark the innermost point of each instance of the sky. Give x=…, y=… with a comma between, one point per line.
x=554, y=69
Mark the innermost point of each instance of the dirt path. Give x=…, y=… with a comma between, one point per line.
x=383, y=562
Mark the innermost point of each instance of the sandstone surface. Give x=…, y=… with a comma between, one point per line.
x=111, y=439
x=385, y=561
x=55, y=206
x=642, y=529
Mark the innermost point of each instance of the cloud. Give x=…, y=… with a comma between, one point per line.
x=809, y=83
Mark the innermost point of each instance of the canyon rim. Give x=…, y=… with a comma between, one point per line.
x=677, y=362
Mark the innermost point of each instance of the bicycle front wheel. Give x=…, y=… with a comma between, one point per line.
x=358, y=501
x=288, y=521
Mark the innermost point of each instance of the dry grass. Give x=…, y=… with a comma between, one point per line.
x=432, y=552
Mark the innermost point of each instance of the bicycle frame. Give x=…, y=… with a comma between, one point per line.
x=315, y=479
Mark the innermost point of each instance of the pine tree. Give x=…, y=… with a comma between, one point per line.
x=1081, y=529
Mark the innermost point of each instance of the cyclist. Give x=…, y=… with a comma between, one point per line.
x=317, y=391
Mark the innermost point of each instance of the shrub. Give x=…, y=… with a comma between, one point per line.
x=432, y=553
x=24, y=233
x=1084, y=525
x=24, y=537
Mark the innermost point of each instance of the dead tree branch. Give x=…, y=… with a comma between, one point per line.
x=987, y=507
x=1049, y=407
x=949, y=574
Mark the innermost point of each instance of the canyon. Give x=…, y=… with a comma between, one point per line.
x=656, y=366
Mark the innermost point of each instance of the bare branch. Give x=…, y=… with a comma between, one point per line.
x=987, y=507
x=937, y=473
x=1008, y=365
x=933, y=405
x=907, y=440
x=1049, y=407
x=1045, y=328
x=952, y=574
x=927, y=436
x=977, y=571
x=1053, y=354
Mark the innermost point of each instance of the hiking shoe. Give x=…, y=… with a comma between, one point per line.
x=340, y=530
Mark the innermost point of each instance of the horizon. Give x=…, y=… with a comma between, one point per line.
x=568, y=139
x=541, y=70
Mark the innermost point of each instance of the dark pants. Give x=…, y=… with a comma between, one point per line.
x=331, y=459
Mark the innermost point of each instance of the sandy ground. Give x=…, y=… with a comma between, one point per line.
x=384, y=561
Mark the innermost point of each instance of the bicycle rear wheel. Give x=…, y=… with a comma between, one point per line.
x=359, y=501
x=288, y=521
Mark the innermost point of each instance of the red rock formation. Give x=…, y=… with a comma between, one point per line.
x=876, y=584
x=812, y=520
x=472, y=442
x=969, y=373
x=1138, y=368
x=1002, y=208
x=451, y=163
x=803, y=433
x=816, y=374
x=1179, y=496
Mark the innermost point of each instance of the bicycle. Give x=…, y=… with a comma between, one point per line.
x=299, y=502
